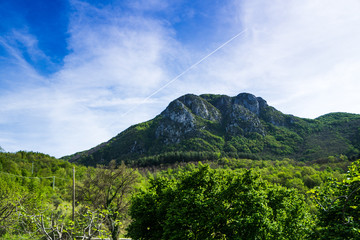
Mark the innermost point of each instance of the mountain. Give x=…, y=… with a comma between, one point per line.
x=211, y=126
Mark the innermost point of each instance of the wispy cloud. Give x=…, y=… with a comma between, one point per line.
x=303, y=57
x=289, y=55
x=111, y=61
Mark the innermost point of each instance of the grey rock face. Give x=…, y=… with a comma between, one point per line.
x=170, y=133
x=236, y=115
x=243, y=121
x=179, y=113
x=201, y=108
x=223, y=103
x=262, y=103
x=249, y=101
x=178, y=121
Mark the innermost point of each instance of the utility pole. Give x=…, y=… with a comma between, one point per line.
x=73, y=203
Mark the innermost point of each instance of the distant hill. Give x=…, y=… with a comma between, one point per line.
x=211, y=126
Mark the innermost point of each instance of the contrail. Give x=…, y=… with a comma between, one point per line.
x=184, y=72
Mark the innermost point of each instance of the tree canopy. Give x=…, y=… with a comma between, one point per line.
x=339, y=206
x=232, y=199
x=206, y=203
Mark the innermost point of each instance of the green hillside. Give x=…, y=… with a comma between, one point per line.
x=210, y=126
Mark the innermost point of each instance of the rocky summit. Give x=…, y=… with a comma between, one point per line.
x=209, y=127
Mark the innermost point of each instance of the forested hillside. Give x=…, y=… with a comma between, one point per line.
x=229, y=198
x=195, y=128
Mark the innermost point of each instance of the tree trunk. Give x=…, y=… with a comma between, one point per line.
x=115, y=232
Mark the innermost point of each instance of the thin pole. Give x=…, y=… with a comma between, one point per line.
x=73, y=203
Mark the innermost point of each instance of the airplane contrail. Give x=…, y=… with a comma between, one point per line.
x=184, y=72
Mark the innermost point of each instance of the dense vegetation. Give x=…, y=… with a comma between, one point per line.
x=203, y=203
x=225, y=198
x=36, y=198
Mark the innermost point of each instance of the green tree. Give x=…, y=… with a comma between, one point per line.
x=204, y=203
x=109, y=188
x=339, y=207
x=10, y=198
x=55, y=224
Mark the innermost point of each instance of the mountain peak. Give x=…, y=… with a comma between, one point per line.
x=197, y=106
x=237, y=115
x=227, y=126
x=252, y=103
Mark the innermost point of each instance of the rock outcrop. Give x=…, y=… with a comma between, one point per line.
x=238, y=115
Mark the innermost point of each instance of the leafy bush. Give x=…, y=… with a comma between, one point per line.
x=204, y=203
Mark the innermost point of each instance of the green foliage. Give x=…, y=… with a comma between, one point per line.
x=55, y=223
x=10, y=198
x=338, y=118
x=338, y=203
x=204, y=203
x=174, y=157
x=302, y=176
x=34, y=192
x=107, y=190
x=24, y=188
x=235, y=199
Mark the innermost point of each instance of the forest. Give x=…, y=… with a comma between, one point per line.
x=220, y=198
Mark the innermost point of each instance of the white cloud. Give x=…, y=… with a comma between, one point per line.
x=148, y=5
x=301, y=56
x=290, y=51
x=114, y=63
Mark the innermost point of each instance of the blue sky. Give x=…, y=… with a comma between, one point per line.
x=74, y=73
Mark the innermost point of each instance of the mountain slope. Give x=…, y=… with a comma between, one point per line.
x=209, y=126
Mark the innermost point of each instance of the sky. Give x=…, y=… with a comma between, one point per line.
x=75, y=73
